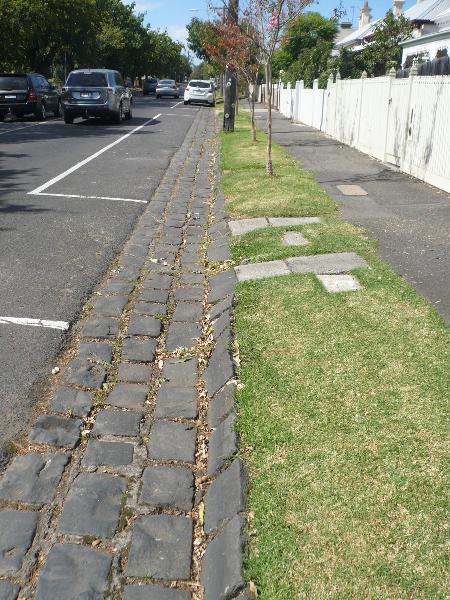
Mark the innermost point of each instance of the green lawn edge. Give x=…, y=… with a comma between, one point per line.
x=342, y=407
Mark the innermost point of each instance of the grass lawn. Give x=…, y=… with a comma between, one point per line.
x=343, y=411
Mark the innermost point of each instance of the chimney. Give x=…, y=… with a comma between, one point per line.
x=365, y=17
x=398, y=7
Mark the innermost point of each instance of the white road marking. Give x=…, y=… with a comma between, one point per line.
x=41, y=188
x=177, y=104
x=92, y=197
x=61, y=325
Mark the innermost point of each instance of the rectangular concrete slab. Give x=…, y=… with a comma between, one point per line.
x=292, y=221
x=351, y=190
x=293, y=238
x=245, y=225
x=339, y=283
x=339, y=262
x=273, y=268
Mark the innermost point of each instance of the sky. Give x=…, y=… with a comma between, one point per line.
x=173, y=15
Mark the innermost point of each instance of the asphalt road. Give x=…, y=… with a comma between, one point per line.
x=56, y=245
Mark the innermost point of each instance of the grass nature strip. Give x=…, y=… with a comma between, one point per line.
x=343, y=410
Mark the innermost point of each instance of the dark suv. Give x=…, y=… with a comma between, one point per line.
x=149, y=86
x=28, y=94
x=96, y=93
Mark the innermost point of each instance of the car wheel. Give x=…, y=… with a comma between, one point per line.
x=177, y=97
x=129, y=115
x=118, y=116
x=186, y=102
x=212, y=104
x=41, y=112
x=57, y=111
x=157, y=96
x=68, y=117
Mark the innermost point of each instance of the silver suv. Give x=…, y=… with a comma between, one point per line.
x=96, y=93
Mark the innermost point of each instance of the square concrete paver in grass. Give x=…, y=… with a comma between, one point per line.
x=293, y=238
x=351, y=190
x=292, y=221
x=339, y=283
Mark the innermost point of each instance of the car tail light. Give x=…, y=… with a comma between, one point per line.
x=31, y=95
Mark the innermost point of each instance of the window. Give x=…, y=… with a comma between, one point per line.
x=13, y=82
x=88, y=79
x=118, y=79
x=200, y=84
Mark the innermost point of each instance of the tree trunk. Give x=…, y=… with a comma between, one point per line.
x=251, y=101
x=269, y=164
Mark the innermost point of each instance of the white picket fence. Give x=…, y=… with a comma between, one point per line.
x=404, y=122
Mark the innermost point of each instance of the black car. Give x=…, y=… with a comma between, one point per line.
x=28, y=94
x=96, y=93
x=149, y=86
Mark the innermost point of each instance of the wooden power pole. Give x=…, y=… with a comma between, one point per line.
x=230, y=87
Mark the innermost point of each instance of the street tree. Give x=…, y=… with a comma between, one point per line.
x=268, y=19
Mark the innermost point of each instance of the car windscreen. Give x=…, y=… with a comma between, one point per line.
x=13, y=82
x=166, y=82
x=200, y=84
x=91, y=79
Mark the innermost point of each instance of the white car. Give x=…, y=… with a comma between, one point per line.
x=200, y=90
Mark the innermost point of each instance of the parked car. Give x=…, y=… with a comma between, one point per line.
x=28, y=94
x=167, y=87
x=201, y=91
x=149, y=86
x=96, y=93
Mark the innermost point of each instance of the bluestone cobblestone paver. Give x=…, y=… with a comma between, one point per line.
x=98, y=351
x=84, y=373
x=176, y=402
x=17, y=529
x=222, y=444
x=57, y=431
x=117, y=422
x=179, y=372
x=135, y=373
x=182, y=335
x=161, y=548
x=145, y=326
x=8, y=591
x=138, y=350
x=225, y=497
x=222, y=563
x=33, y=478
x=70, y=401
x=168, y=487
x=110, y=306
x=72, y=572
x=128, y=395
x=92, y=506
x=100, y=327
x=153, y=592
x=108, y=453
x=172, y=441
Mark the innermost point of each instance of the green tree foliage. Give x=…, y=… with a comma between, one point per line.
x=306, y=48
x=39, y=35
x=199, y=36
x=384, y=50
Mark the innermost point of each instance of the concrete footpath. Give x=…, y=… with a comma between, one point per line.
x=126, y=487
x=409, y=219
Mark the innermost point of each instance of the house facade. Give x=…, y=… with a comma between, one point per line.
x=431, y=30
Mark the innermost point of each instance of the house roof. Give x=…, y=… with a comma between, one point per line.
x=427, y=10
x=357, y=34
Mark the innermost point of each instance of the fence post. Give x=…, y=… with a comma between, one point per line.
x=296, y=100
x=361, y=94
x=336, y=104
x=412, y=76
x=288, y=109
x=392, y=74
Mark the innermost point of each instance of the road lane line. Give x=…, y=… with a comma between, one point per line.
x=177, y=104
x=44, y=186
x=91, y=197
x=61, y=325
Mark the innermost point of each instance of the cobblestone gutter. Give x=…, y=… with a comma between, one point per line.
x=129, y=488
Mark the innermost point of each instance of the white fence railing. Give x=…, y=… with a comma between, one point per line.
x=404, y=122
